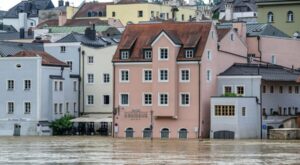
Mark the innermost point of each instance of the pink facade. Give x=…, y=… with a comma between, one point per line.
x=194, y=117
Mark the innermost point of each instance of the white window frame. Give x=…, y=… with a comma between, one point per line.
x=75, y=86
x=245, y=112
x=159, y=54
x=67, y=107
x=124, y=53
x=55, y=108
x=144, y=76
x=103, y=96
x=7, y=85
x=29, y=85
x=181, y=76
x=236, y=90
x=144, y=101
x=168, y=99
x=180, y=99
x=209, y=55
x=212, y=34
x=104, y=78
x=7, y=107
x=61, y=108
x=29, y=107
x=70, y=64
x=273, y=59
x=208, y=76
x=232, y=88
x=63, y=49
x=90, y=59
x=120, y=99
x=87, y=100
x=168, y=75
x=92, y=78
x=120, y=76
x=147, y=54
x=60, y=86
x=189, y=53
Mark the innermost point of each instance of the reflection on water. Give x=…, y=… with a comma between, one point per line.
x=99, y=150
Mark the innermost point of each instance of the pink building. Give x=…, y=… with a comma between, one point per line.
x=165, y=74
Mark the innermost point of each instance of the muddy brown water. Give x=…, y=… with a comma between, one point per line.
x=87, y=150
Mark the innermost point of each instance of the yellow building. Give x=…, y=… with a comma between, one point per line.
x=134, y=12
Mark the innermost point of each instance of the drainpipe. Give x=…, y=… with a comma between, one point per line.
x=79, y=81
x=83, y=82
x=258, y=46
x=199, y=104
x=113, y=100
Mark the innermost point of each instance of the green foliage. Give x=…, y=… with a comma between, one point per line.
x=230, y=95
x=216, y=15
x=61, y=126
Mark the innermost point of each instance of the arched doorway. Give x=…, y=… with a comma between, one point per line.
x=129, y=133
x=164, y=133
x=183, y=133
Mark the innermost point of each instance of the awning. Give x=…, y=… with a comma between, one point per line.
x=90, y=120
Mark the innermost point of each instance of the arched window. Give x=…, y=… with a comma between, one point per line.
x=270, y=17
x=164, y=133
x=129, y=133
x=183, y=133
x=290, y=16
x=95, y=14
x=89, y=14
x=100, y=14
x=147, y=133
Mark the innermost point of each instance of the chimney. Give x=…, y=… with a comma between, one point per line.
x=228, y=11
x=90, y=33
x=60, y=3
x=241, y=29
x=23, y=20
x=62, y=19
x=67, y=3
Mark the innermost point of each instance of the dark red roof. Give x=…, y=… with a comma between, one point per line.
x=138, y=37
x=131, y=1
x=47, y=59
x=50, y=22
x=221, y=33
x=74, y=22
x=93, y=7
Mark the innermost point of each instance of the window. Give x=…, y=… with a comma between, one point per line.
x=280, y=89
x=70, y=64
x=61, y=86
x=61, y=108
x=184, y=75
x=152, y=14
x=89, y=14
x=163, y=75
x=270, y=17
x=189, y=53
x=74, y=107
x=55, y=108
x=227, y=89
x=147, y=99
x=273, y=60
x=182, y=17
x=90, y=78
x=74, y=86
x=296, y=89
x=124, y=76
x=290, y=16
x=27, y=107
x=67, y=107
x=106, y=78
x=90, y=99
x=290, y=89
x=100, y=14
x=231, y=37
x=10, y=107
x=10, y=85
x=271, y=89
x=124, y=100
x=224, y=110
x=185, y=99
x=240, y=90
x=163, y=54
x=212, y=34
x=106, y=99
x=147, y=75
x=90, y=59
x=124, y=55
x=62, y=49
x=113, y=14
x=243, y=111
x=148, y=54
x=140, y=13
x=209, y=57
x=264, y=89
x=27, y=85
x=163, y=99
x=55, y=85
x=208, y=75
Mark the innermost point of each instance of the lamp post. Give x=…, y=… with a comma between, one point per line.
x=151, y=124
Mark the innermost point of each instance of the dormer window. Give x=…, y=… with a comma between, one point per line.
x=124, y=54
x=189, y=53
x=147, y=54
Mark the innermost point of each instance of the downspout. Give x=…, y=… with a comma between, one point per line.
x=83, y=83
x=114, y=111
x=199, y=104
x=258, y=46
x=79, y=81
x=260, y=59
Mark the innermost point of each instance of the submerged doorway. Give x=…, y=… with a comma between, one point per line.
x=17, y=130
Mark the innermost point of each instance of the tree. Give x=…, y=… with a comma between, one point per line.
x=61, y=126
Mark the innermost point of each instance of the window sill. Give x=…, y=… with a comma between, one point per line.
x=290, y=21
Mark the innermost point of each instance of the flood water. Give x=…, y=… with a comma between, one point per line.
x=98, y=150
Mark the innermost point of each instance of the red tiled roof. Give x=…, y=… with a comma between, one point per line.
x=221, y=33
x=93, y=7
x=51, y=22
x=74, y=22
x=47, y=59
x=138, y=37
x=131, y=1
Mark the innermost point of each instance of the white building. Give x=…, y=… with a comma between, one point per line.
x=36, y=89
